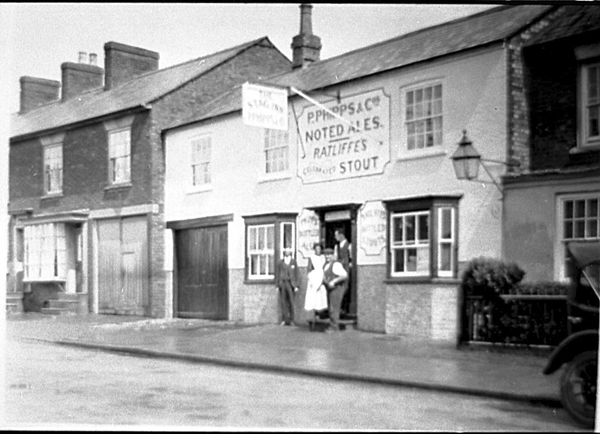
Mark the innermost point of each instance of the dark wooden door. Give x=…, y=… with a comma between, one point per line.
x=202, y=272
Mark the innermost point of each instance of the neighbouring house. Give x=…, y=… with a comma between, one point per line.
x=237, y=195
x=556, y=131
x=87, y=175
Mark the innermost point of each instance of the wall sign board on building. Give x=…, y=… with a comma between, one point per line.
x=372, y=228
x=332, y=149
x=308, y=231
x=264, y=107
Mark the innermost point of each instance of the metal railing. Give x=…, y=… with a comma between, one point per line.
x=516, y=320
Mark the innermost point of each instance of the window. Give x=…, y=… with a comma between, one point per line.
x=45, y=251
x=579, y=220
x=423, y=239
x=423, y=117
x=201, y=154
x=276, y=151
x=119, y=155
x=590, y=102
x=53, y=169
x=266, y=238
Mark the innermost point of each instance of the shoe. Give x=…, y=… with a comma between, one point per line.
x=330, y=330
x=282, y=323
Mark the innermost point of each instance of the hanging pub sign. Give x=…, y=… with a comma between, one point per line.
x=264, y=107
x=372, y=218
x=308, y=231
x=331, y=148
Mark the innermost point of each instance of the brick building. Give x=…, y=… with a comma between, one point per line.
x=383, y=174
x=86, y=187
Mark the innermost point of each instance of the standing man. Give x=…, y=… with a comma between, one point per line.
x=287, y=283
x=342, y=254
x=334, y=278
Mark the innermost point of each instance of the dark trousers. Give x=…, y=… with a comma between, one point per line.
x=286, y=301
x=335, y=297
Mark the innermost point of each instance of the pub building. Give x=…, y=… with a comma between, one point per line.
x=367, y=149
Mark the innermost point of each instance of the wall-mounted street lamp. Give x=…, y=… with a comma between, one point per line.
x=466, y=161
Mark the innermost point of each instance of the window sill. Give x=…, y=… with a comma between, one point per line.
x=47, y=279
x=270, y=281
x=117, y=186
x=422, y=279
x=202, y=189
x=275, y=177
x=419, y=155
x=52, y=196
x=582, y=149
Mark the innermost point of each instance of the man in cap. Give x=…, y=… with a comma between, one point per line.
x=334, y=278
x=287, y=283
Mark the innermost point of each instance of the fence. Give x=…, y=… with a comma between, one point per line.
x=522, y=320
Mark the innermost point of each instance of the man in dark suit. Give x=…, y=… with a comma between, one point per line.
x=287, y=283
x=342, y=251
x=334, y=278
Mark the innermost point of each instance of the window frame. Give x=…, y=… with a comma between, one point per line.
x=560, y=256
x=202, y=160
x=278, y=222
x=59, y=170
x=281, y=144
x=436, y=148
x=433, y=207
x=111, y=146
x=586, y=141
x=59, y=252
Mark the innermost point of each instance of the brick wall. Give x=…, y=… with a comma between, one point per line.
x=371, y=298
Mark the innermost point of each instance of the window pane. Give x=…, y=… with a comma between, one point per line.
x=579, y=208
x=409, y=222
x=445, y=257
x=398, y=258
x=271, y=259
x=270, y=237
x=288, y=235
x=592, y=228
x=580, y=229
x=569, y=209
x=446, y=217
x=411, y=259
x=592, y=208
x=423, y=228
x=397, y=229
x=568, y=229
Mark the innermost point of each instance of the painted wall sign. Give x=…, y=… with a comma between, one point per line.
x=372, y=227
x=331, y=149
x=308, y=231
x=264, y=107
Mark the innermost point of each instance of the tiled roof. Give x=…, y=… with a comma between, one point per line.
x=139, y=91
x=572, y=20
x=454, y=36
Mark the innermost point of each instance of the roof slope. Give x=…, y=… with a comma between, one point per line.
x=573, y=20
x=139, y=91
x=454, y=36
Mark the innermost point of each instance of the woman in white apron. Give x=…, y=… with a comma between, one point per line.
x=316, y=294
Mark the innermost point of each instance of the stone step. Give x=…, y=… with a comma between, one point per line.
x=63, y=304
x=56, y=311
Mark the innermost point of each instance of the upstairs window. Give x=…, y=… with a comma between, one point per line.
x=53, y=169
x=201, y=164
x=276, y=151
x=590, y=104
x=119, y=155
x=423, y=117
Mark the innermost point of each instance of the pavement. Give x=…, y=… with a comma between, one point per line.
x=350, y=355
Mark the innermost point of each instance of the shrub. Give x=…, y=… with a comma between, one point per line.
x=490, y=278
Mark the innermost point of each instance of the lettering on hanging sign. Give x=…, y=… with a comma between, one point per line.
x=372, y=228
x=336, y=149
x=308, y=225
x=264, y=107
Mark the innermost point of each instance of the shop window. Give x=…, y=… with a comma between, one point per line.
x=423, y=238
x=276, y=151
x=119, y=155
x=423, y=117
x=579, y=221
x=590, y=105
x=45, y=252
x=266, y=238
x=201, y=149
x=53, y=169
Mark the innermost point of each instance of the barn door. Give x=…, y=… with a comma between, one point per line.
x=202, y=282
x=123, y=265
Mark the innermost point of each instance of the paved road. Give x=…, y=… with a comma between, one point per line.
x=49, y=386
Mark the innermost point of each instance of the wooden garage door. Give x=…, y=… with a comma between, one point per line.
x=123, y=265
x=202, y=282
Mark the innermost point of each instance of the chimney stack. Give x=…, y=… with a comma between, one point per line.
x=124, y=62
x=306, y=47
x=36, y=92
x=78, y=78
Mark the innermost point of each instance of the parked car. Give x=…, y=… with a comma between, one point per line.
x=579, y=350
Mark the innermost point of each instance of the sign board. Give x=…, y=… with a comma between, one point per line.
x=308, y=231
x=331, y=149
x=372, y=227
x=264, y=107
x=336, y=216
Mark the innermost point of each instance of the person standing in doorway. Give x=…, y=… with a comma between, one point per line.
x=287, y=283
x=316, y=294
x=342, y=252
x=334, y=278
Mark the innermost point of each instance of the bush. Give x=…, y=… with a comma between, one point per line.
x=490, y=278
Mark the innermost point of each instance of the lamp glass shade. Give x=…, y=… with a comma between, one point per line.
x=466, y=167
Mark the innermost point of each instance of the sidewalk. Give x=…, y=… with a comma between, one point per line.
x=349, y=355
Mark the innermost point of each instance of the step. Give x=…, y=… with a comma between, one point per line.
x=56, y=311
x=63, y=304
x=14, y=308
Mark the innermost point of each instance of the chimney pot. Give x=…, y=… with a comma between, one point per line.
x=93, y=59
x=82, y=57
